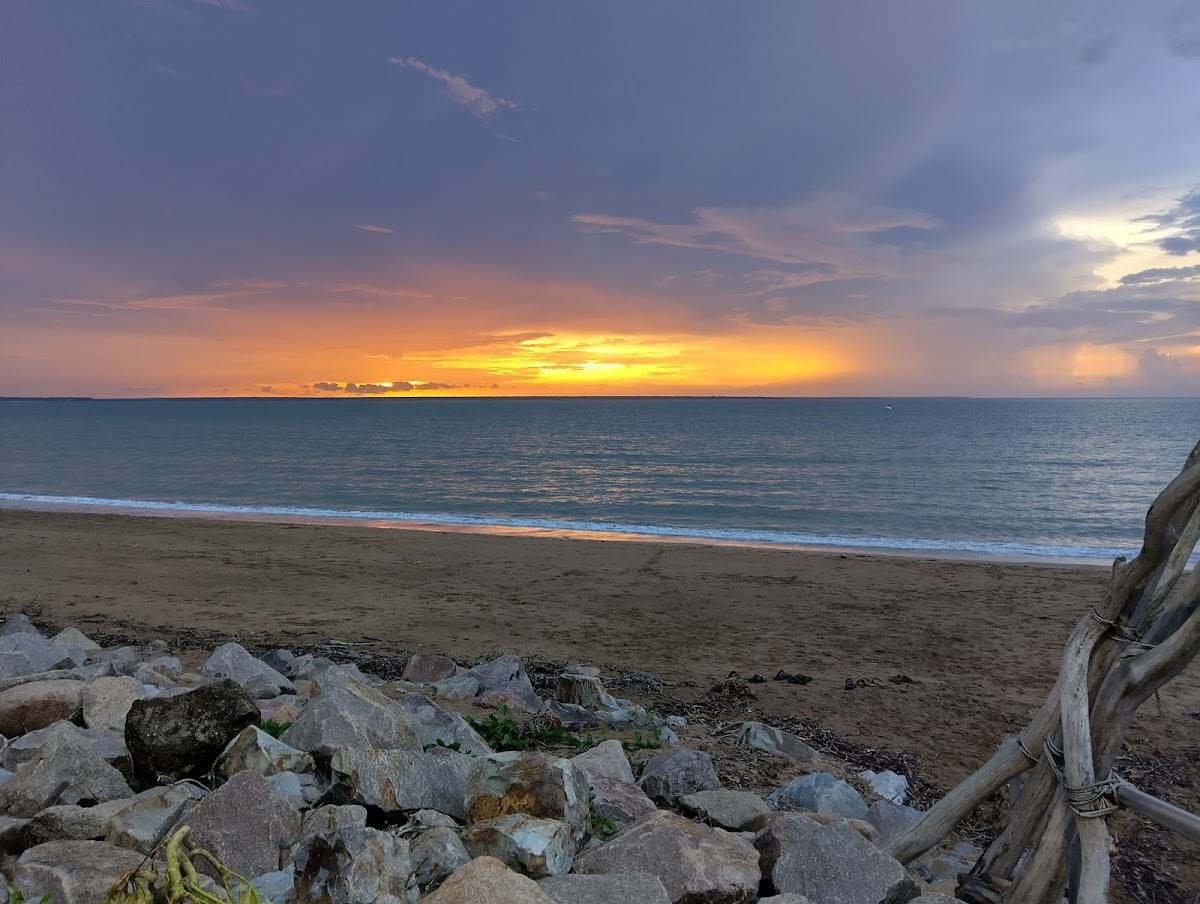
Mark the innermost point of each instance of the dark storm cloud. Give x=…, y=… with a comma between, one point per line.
x=1182, y=219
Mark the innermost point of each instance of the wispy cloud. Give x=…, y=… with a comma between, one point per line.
x=476, y=99
x=503, y=137
x=235, y=5
x=371, y=227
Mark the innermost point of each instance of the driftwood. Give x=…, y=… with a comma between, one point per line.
x=1144, y=632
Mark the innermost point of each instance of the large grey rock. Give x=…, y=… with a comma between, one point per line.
x=28, y=707
x=458, y=689
x=182, y=736
x=776, y=742
x=74, y=639
x=331, y=817
x=501, y=671
x=18, y=623
x=630, y=888
x=736, y=811
x=106, y=702
x=403, y=779
x=669, y=776
x=522, y=782
x=890, y=820
x=785, y=899
x=260, y=681
x=255, y=750
x=935, y=898
x=428, y=668
x=887, y=784
x=141, y=825
x=12, y=834
x=485, y=880
x=106, y=745
x=436, y=854
x=695, y=863
x=517, y=696
x=821, y=793
x=24, y=654
x=535, y=847
x=618, y=802
x=278, y=887
x=435, y=726
x=571, y=717
x=354, y=866
x=608, y=759
x=831, y=863
x=247, y=824
x=71, y=822
x=283, y=710
x=68, y=772
x=73, y=872
x=302, y=789
x=345, y=712
x=287, y=663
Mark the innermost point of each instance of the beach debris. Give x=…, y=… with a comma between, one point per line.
x=73, y=872
x=776, y=742
x=392, y=780
x=486, y=879
x=345, y=712
x=802, y=856
x=428, y=668
x=584, y=690
x=736, y=811
x=821, y=793
x=37, y=704
x=669, y=776
x=231, y=660
x=901, y=679
x=694, y=862
x=106, y=701
x=436, y=726
x=67, y=772
x=182, y=736
x=531, y=783
x=151, y=816
x=436, y=853
x=641, y=888
x=793, y=677
x=536, y=847
x=732, y=690
x=886, y=784
x=354, y=865
x=247, y=824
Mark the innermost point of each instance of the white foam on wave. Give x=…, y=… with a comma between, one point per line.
x=730, y=535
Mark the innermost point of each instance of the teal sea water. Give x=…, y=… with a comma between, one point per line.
x=1060, y=478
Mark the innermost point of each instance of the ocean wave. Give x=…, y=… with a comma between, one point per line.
x=726, y=535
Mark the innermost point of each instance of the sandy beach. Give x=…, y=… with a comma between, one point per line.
x=980, y=640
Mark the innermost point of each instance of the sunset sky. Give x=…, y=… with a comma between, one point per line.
x=284, y=197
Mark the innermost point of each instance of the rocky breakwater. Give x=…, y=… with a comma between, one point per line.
x=454, y=785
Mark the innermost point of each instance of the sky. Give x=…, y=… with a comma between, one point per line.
x=553, y=197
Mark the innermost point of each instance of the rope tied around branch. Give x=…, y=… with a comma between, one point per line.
x=1121, y=633
x=1091, y=801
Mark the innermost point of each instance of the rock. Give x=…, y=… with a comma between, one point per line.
x=941, y=868
x=286, y=663
x=630, y=888
x=122, y=659
x=435, y=726
x=354, y=866
x=348, y=713
x=436, y=854
x=71, y=822
x=785, y=899
x=302, y=789
x=106, y=702
x=106, y=745
x=619, y=802
x=28, y=707
x=150, y=677
x=24, y=654
x=608, y=759
x=458, y=689
x=777, y=743
x=935, y=898
x=522, y=782
x=403, y=779
x=498, y=672
x=831, y=863
x=887, y=784
x=889, y=819
x=68, y=772
x=277, y=887
x=330, y=818
x=571, y=717
x=182, y=736
x=18, y=623
x=695, y=863
x=146, y=821
x=428, y=668
x=432, y=819
x=282, y=710
x=246, y=824
x=259, y=680
x=517, y=696
x=486, y=880
x=669, y=776
x=255, y=750
x=73, y=872
x=733, y=810
x=583, y=690
x=822, y=793
x=535, y=847
x=12, y=834
x=74, y=639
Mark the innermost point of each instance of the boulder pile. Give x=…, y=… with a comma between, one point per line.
x=323, y=785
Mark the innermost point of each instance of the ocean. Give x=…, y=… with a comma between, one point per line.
x=1044, y=478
